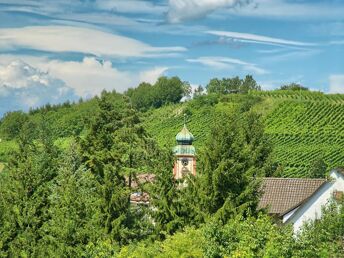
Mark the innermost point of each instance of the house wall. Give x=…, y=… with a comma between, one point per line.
x=312, y=209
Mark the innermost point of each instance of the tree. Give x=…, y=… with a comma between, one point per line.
x=249, y=84
x=198, y=91
x=25, y=191
x=165, y=90
x=117, y=146
x=237, y=155
x=232, y=85
x=74, y=212
x=247, y=237
x=317, y=169
x=165, y=197
x=102, y=158
x=12, y=123
x=294, y=87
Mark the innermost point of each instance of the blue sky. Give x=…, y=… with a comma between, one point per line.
x=51, y=51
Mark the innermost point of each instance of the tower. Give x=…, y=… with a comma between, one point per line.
x=185, y=154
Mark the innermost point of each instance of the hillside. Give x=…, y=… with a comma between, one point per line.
x=302, y=126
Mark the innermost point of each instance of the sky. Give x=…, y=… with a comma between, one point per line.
x=57, y=50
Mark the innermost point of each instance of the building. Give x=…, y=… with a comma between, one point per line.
x=297, y=200
x=185, y=154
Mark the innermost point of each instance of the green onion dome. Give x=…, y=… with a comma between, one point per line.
x=184, y=137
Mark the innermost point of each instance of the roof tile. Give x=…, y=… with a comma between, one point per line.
x=280, y=195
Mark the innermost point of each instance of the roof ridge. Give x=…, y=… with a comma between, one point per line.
x=296, y=178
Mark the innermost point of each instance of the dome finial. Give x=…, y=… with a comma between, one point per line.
x=184, y=136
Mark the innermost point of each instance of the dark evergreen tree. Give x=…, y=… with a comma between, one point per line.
x=165, y=197
x=116, y=148
x=102, y=158
x=74, y=213
x=25, y=192
x=236, y=157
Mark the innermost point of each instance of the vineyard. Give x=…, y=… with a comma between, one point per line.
x=164, y=123
x=303, y=126
x=301, y=129
x=304, y=131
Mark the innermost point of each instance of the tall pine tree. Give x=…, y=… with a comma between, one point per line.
x=237, y=155
x=24, y=194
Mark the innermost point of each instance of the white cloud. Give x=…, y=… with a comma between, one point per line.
x=336, y=83
x=23, y=86
x=90, y=76
x=152, y=75
x=80, y=40
x=130, y=6
x=181, y=10
x=254, y=38
x=228, y=63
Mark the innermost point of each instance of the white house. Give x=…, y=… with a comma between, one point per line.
x=297, y=200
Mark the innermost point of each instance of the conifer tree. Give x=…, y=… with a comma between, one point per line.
x=25, y=191
x=116, y=146
x=102, y=158
x=75, y=218
x=237, y=155
x=165, y=197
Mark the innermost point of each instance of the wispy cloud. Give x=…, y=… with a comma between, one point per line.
x=182, y=10
x=79, y=40
x=290, y=55
x=217, y=62
x=259, y=39
x=336, y=83
x=337, y=42
x=130, y=6
x=284, y=9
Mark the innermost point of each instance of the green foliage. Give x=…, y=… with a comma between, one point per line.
x=11, y=124
x=6, y=149
x=116, y=146
x=293, y=86
x=182, y=244
x=75, y=210
x=250, y=237
x=25, y=191
x=232, y=85
x=164, y=91
x=237, y=154
x=61, y=198
x=165, y=197
x=318, y=169
x=324, y=237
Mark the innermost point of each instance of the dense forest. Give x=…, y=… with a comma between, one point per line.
x=67, y=172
